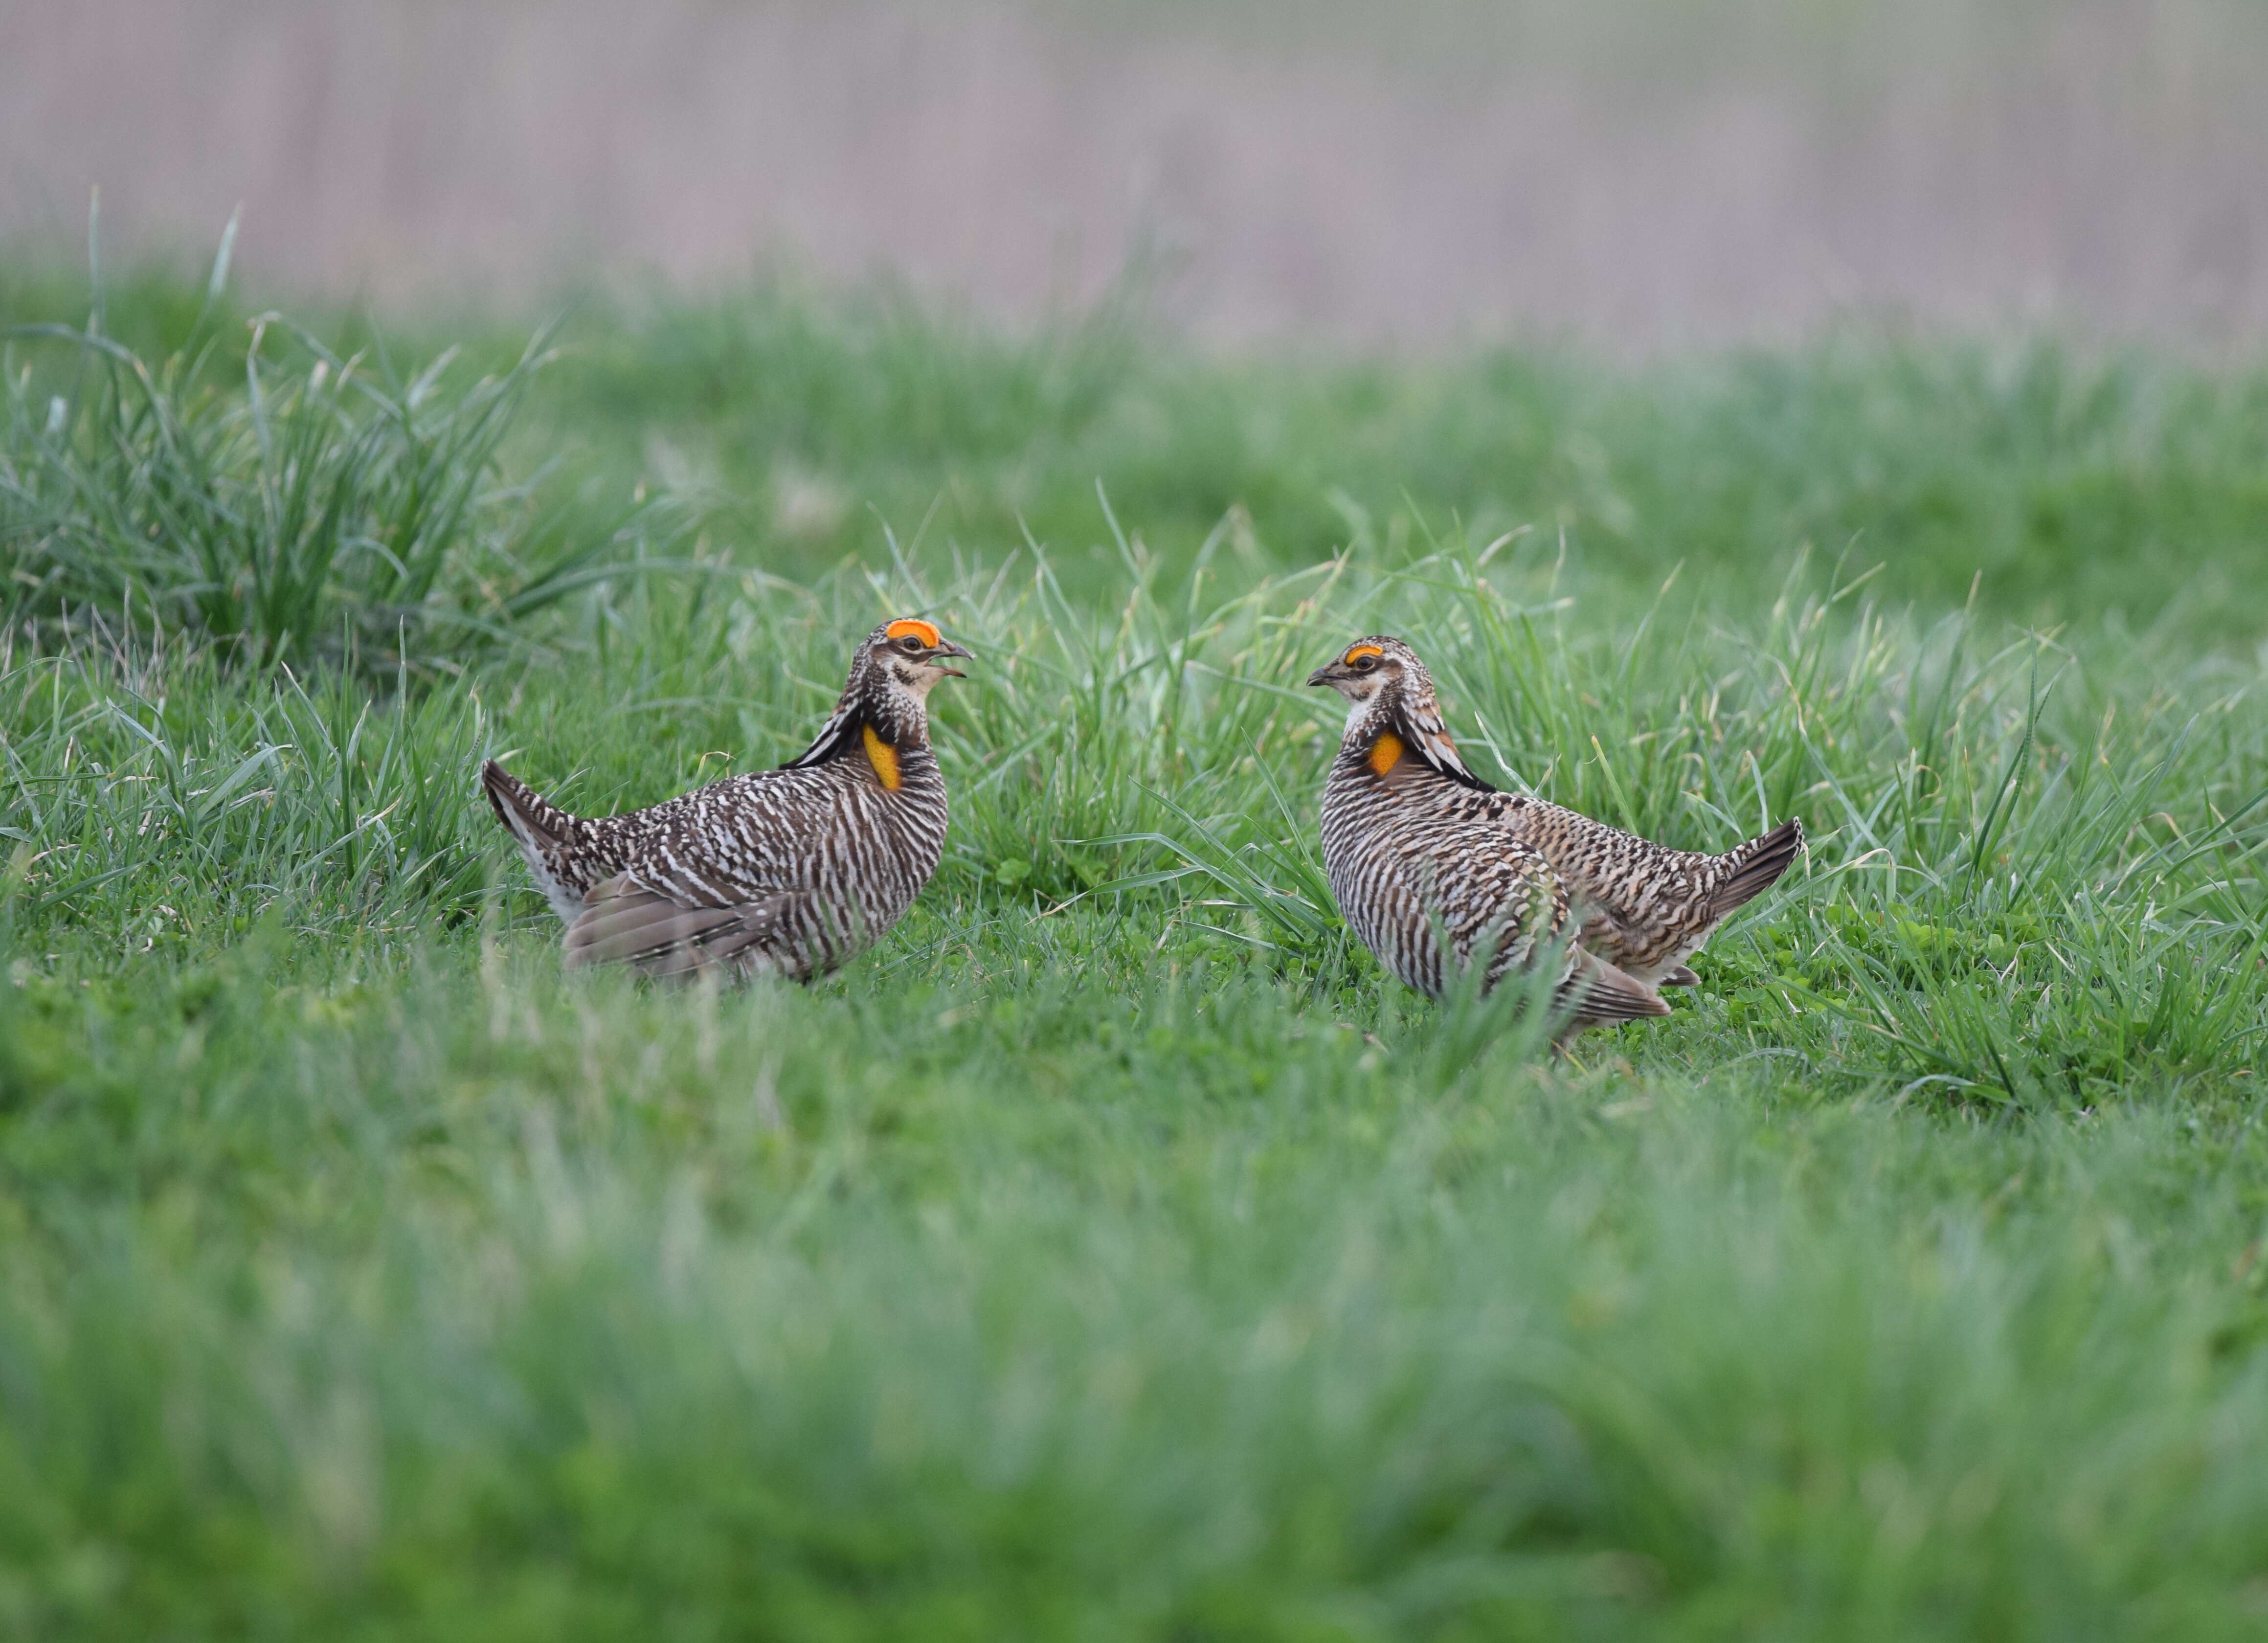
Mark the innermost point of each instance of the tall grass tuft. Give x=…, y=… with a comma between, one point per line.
x=320, y=509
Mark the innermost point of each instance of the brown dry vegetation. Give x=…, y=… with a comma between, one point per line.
x=1624, y=172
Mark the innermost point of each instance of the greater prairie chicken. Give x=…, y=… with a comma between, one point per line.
x=1421, y=852
x=786, y=872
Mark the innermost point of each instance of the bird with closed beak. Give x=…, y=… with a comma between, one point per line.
x=1435, y=869
x=786, y=872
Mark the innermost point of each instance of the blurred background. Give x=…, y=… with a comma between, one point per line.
x=1637, y=177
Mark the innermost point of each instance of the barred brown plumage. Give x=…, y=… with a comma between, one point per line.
x=788, y=872
x=1432, y=865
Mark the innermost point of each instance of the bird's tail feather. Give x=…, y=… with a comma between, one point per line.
x=1757, y=866
x=526, y=815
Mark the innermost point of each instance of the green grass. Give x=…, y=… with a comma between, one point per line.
x=1114, y=1252
x=287, y=502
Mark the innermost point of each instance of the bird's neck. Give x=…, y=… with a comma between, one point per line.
x=899, y=720
x=1367, y=722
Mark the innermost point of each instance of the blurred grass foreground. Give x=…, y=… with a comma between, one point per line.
x=1113, y=1251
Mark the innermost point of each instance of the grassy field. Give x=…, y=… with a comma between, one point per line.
x=1114, y=1252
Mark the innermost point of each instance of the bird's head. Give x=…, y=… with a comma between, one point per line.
x=1372, y=671
x=905, y=658
x=893, y=673
x=887, y=693
x=1390, y=695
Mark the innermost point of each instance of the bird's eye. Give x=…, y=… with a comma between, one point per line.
x=909, y=643
x=1366, y=664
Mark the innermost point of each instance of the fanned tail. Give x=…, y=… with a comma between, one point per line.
x=1757, y=866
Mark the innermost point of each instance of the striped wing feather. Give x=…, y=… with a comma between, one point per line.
x=1646, y=907
x=1598, y=993
x=628, y=922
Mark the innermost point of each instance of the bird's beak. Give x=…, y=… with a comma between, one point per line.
x=1321, y=676
x=951, y=649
